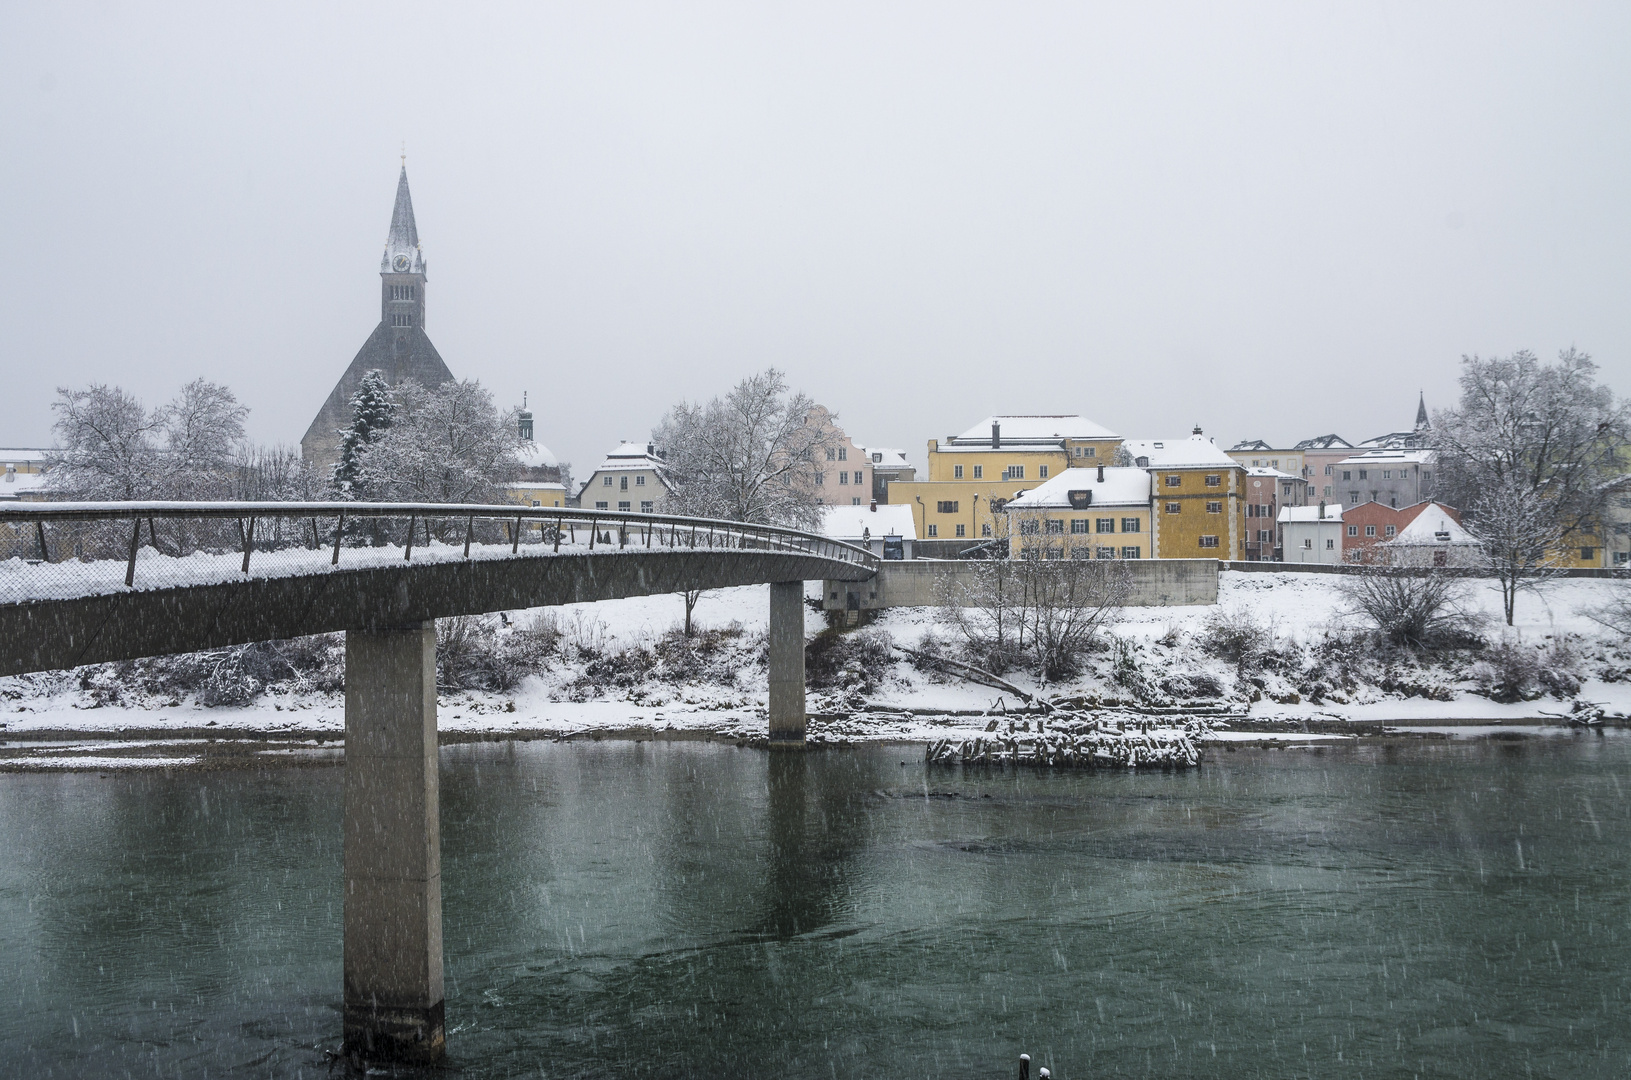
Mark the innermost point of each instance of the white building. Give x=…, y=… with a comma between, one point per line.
x=1311, y=534
x=887, y=531
x=1433, y=538
x=632, y=478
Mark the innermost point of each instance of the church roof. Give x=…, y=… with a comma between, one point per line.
x=404, y=235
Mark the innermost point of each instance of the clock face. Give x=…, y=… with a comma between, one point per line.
x=401, y=264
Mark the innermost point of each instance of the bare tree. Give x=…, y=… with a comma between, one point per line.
x=749, y=456
x=113, y=448
x=447, y=445
x=1522, y=536
x=1066, y=604
x=1410, y=608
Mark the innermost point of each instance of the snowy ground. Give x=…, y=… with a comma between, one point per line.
x=573, y=696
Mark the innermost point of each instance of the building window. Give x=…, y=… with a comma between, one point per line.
x=1090, y=451
x=831, y=454
x=645, y=506
x=843, y=478
x=1130, y=525
x=1387, y=474
x=1347, y=474
x=1104, y=553
x=934, y=530
x=821, y=479
x=1053, y=525
x=1588, y=553
x=1353, y=498
x=535, y=502
x=1327, y=491
x=1265, y=536
x=1133, y=552
x=600, y=506
x=622, y=483
x=1015, y=472
x=843, y=453
x=1427, y=474
x=1042, y=473
x=1308, y=543
x=1104, y=525
x=1390, y=530
x=960, y=528
x=1330, y=545
x=1028, y=528
x=1287, y=491
x=1214, y=508
x=1174, y=481
x=606, y=481
x=1370, y=530
x=1209, y=541
x=946, y=506
x=856, y=501
x=877, y=457
x=956, y=472
x=623, y=506
x=1353, y=530
x=985, y=530
x=1217, y=481
x=979, y=472
x=1173, y=508
x=1364, y=474
x=1078, y=526
x=639, y=481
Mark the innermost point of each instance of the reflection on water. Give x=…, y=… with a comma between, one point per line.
x=681, y=909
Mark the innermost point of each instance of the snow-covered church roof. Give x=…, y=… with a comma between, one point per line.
x=536, y=455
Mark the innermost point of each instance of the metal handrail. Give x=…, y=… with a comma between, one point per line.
x=671, y=525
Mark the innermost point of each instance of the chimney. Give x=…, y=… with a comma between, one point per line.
x=1101, y=472
x=11, y=474
x=996, y=435
x=874, y=506
x=1197, y=430
x=651, y=449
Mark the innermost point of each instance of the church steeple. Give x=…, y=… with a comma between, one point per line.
x=1421, y=413
x=402, y=268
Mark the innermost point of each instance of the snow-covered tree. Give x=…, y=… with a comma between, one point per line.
x=1521, y=533
x=749, y=456
x=371, y=410
x=114, y=448
x=447, y=445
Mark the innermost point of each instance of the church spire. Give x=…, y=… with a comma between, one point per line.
x=402, y=254
x=1421, y=412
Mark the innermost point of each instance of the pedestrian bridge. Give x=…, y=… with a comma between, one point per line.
x=84, y=583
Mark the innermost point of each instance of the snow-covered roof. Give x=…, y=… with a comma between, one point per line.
x=1249, y=446
x=1177, y=453
x=888, y=457
x=1035, y=428
x=1433, y=525
x=1332, y=511
x=1274, y=473
x=536, y=455
x=18, y=455
x=1120, y=487
x=540, y=485
x=848, y=522
x=19, y=485
x=1389, y=457
x=632, y=449
x=1324, y=442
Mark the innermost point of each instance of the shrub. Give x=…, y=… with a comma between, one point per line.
x=1412, y=609
x=856, y=663
x=471, y=654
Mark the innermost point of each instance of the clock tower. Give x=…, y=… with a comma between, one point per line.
x=398, y=348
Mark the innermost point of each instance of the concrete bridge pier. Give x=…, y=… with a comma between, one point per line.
x=787, y=664
x=393, y=861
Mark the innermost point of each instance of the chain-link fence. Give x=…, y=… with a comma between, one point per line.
x=64, y=550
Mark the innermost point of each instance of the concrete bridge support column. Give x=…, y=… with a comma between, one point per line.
x=393, y=860
x=787, y=663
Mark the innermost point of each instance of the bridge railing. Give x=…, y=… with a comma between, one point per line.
x=64, y=550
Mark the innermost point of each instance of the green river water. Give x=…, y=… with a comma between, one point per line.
x=1401, y=909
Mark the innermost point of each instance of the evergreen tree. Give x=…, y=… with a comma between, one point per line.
x=371, y=413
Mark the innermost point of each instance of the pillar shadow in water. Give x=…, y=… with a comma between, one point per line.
x=815, y=826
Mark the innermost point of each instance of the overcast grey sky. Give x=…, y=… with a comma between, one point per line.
x=1273, y=220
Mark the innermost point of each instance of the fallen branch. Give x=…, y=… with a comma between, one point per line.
x=977, y=675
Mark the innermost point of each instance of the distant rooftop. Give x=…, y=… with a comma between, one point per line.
x=1177, y=453
x=1035, y=429
x=1324, y=442
x=1120, y=487
x=847, y=522
x=1332, y=512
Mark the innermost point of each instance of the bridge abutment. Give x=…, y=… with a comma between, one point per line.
x=393, y=862
x=787, y=663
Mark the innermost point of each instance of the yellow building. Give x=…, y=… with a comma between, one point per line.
x=1097, y=513
x=972, y=475
x=538, y=493
x=1197, y=491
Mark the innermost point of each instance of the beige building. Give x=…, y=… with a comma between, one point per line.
x=844, y=475
x=1097, y=513
x=631, y=479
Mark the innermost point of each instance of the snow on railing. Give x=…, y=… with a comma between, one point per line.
x=52, y=551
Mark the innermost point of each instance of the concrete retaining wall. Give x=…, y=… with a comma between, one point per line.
x=919, y=583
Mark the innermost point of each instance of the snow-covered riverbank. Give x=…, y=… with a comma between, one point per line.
x=621, y=668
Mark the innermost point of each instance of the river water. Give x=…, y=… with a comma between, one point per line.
x=1447, y=909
